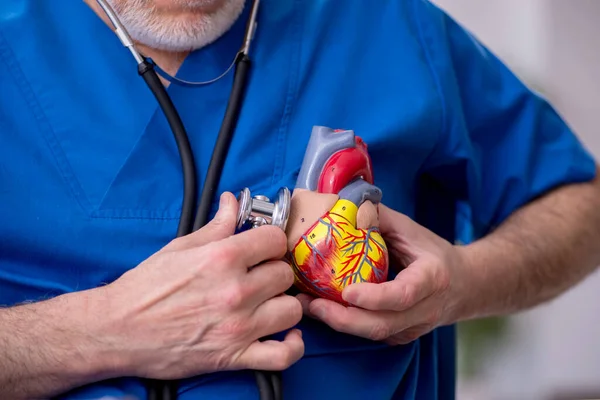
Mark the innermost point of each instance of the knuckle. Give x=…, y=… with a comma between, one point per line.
x=214, y=225
x=223, y=254
x=380, y=331
x=224, y=223
x=234, y=296
x=286, y=358
x=408, y=296
x=282, y=362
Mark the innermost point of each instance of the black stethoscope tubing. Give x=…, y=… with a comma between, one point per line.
x=190, y=179
x=269, y=383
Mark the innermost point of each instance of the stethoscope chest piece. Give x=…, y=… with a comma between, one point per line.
x=259, y=210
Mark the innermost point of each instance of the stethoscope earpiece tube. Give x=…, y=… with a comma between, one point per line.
x=211, y=182
x=146, y=71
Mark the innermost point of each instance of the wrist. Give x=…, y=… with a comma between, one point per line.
x=50, y=347
x=470, y=298
x=489, y=280
x=94, y=356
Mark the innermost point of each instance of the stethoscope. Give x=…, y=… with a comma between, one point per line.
x=253, y=211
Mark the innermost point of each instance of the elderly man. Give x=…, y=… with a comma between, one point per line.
x=98, y=295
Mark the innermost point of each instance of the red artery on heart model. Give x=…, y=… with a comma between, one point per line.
x=333, y=235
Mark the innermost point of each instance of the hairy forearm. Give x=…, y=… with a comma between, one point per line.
x=50, y=347
x=538, y=253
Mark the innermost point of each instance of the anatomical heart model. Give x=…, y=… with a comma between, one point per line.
x=333, y=235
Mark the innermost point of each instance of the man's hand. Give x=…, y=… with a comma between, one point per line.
x=544, y=248
x=199, y=305
x=424, y=295
x=202, y=303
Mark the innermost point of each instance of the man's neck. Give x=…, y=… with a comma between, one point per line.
x=169, y=61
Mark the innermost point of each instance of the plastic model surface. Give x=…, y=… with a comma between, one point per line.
x=333, y=228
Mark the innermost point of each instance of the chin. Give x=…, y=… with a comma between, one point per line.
x=178, y=25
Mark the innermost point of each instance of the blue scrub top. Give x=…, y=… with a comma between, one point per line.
x=90, y=177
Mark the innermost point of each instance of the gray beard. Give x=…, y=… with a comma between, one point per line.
x=175, y=33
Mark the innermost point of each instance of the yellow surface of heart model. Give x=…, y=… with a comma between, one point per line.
x=334, y=253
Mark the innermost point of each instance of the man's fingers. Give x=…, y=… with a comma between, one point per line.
x=272, y=355
x=305, y=301
x=268, y=280
x=220, y=227
x=410, y=286
x=256, y=245
x=276, y=315
x=389, y=326
x=374, y=325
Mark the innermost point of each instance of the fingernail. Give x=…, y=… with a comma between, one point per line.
x=304, y=304
x=303, y=299
x=319, y=312
x=299, y=332
x=350, y=296
x=224, y=200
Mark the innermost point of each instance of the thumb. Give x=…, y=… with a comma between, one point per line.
x=407, y=237
x=392, y=222
x=220, y=227
x=225, y=220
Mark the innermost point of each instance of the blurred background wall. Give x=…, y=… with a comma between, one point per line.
x=553, y=351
